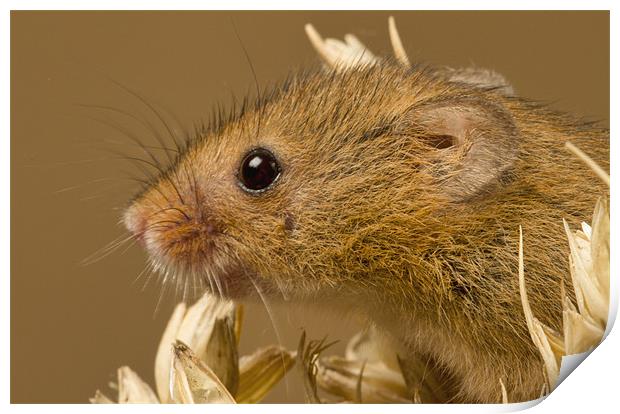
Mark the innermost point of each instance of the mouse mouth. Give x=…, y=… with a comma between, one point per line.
x=192, y=261
x=196, y=271
x=190, y=255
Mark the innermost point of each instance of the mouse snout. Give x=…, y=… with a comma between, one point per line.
x=136, y=223
x=173, y=232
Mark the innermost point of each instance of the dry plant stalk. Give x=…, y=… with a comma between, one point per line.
x=584, y=324
x=197, y=361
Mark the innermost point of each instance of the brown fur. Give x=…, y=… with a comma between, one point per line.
x=375, y=213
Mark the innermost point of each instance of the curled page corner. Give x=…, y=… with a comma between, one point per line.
x=614, y=292
x=571, y=362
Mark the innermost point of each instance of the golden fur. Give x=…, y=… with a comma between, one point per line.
x=401, y=196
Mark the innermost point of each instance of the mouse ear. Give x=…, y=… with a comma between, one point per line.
x=476, y=144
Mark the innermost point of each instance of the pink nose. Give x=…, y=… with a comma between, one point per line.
x=136, y=224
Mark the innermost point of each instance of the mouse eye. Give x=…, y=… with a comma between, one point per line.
x=259, y=170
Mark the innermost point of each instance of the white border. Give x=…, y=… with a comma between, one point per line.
x=312, y=5
x=591, y=388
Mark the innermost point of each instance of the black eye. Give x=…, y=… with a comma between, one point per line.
x=259, y=170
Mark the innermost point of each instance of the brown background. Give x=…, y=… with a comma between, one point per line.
x=73, y=325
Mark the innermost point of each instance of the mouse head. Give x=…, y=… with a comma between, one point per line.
x=332, y=183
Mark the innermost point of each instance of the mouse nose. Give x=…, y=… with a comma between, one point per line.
x=136, y=224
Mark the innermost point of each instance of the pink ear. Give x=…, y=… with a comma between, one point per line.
x=480, y=144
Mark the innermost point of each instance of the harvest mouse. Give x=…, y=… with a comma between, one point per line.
x=391, y=190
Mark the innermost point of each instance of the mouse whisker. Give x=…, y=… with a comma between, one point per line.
x=194, y=188
x=192, y=284
x=179, y=148
x=185, y=137
x=258, y=104
x=135, y=140
x=173, y=183
x=144, y=271
x=210, y=280
x=163, y=210
x=130, y=243
x=176, y=281
x=174, y=222
x=276, y=331
x=139, y=164
x=84, y=185
x=153, y=110
x=162, y=292
x=218, y=284
x=107, y=249
x=147, y=125
x=150, y=272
